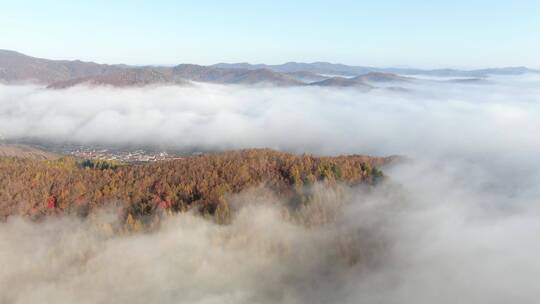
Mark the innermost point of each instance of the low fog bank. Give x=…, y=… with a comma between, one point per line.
x=430, y=118
x=418, y=238
x=489, y=126
x=457, y=222
x=263, y=256
x=461, y=239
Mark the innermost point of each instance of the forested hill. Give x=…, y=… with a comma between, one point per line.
x=36, y=188
x=25, y=151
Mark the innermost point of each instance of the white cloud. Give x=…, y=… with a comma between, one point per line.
x=458, y=223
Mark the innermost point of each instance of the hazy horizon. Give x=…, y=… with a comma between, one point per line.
x=399, y=66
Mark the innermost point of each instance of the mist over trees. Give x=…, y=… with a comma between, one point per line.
x=37, y=188
x=458, y=216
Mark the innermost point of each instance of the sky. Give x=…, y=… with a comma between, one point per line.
x=459, y=33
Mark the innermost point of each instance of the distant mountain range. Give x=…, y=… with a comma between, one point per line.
x=347, y=70
x=17, y=68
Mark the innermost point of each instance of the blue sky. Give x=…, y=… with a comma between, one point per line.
x=459, y=33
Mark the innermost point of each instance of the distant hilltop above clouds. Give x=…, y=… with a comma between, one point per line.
x=58, y=74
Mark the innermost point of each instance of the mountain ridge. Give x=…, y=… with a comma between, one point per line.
x=16, y=67
x=349, y=70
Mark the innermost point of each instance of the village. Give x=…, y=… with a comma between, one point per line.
x=122, y=155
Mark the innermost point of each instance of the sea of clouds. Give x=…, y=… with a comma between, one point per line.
x=458, y=221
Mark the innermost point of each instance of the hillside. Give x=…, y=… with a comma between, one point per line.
x=343, y=82
x=349, y=70
x=19, y=68
x=16, y=68
x=25, y=151
x=306, y=77
x=382, y=77
x=136, y=77
x=231, y=76
x=36, y=188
